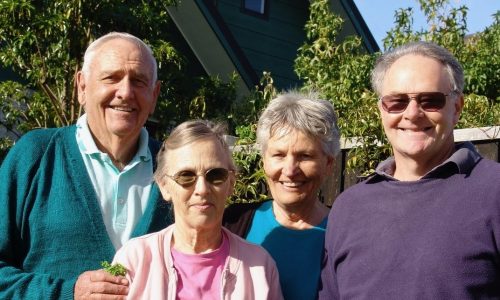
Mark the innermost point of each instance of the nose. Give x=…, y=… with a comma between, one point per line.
x=290, y=167
x=413, y=110
x=124, y=89
x=201, y=186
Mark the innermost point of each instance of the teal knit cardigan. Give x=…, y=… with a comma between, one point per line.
x=51, y=227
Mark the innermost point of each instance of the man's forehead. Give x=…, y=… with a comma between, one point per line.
x=117, y=54
x=124, y=49
x=415, y=61
x=414, y=69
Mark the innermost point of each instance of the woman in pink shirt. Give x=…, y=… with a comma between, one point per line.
x=196, y=258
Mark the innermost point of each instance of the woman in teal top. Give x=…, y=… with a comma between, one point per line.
x=298, y=139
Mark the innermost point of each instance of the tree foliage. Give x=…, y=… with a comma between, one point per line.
x=341, y=71
x=479, y=53
x=251, y=183
x=44, y=41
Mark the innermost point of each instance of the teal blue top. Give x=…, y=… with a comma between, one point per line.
x=298, y=253
x=51, y=226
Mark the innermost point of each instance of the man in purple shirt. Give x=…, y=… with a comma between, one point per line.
x=426, y=224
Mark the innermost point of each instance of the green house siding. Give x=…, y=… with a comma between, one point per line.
x=8, y=74
x=270, y=43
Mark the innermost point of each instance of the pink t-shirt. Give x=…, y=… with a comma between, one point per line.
x=199, y=275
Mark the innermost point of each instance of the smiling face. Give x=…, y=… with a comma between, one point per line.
x=425, y=137
x=118, y=92
x=295, y=167
x=201, y=205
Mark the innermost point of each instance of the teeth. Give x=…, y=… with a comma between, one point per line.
x=292, y=184
x=412, y=130
x=416, y=129
x=126, y=109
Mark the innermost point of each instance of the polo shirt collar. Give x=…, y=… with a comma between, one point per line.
x=88, y=146
x=461, y=161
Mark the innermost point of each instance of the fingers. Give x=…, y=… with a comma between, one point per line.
x=99, y=284
x=102, y=287
x=103, y=276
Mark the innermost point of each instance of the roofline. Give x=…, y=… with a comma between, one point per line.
x=227, y=39
x=360, y=25
x=212, y=43
x=219, y=53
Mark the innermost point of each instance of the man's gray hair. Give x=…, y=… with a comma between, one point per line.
x=303, y=112
x=426, y=49
x=95, y=45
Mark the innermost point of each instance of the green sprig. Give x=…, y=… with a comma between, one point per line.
x=115, y=269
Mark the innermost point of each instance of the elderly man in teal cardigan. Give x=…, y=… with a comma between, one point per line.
x=72, y=196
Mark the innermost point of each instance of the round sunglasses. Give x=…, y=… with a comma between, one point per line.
x=428, y=101
x=187, y=178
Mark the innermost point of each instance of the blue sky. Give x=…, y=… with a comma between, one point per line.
x=379, y=14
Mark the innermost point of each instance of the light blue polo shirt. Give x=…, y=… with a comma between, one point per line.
x=123, y=196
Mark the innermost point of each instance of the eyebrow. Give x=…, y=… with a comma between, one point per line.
x=134, y=74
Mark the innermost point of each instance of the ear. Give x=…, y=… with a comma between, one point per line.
x=80, y=84
x=164, y=190
x=263, y=157
x=232, y=182
x=458, y=106
x=379, y=105
x=156, y=93
x=330, y=163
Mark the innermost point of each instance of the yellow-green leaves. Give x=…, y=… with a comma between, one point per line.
x=115, y=269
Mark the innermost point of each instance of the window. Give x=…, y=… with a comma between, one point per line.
x=255, y=6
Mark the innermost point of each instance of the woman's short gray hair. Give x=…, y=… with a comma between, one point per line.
x=95, y=45
x=304, y=112
x=426, y=49
x=189, y=132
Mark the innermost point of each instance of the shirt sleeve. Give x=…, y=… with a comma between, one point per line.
x=328, y=285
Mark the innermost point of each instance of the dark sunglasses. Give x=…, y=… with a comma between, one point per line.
x=428, y=101
x=186, y=178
